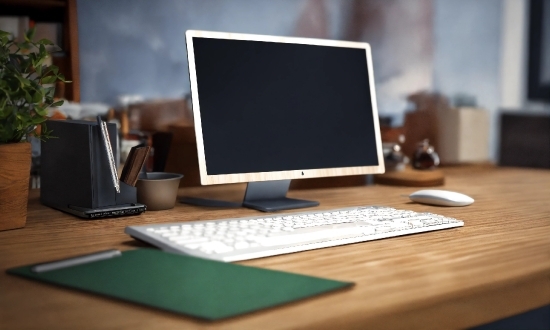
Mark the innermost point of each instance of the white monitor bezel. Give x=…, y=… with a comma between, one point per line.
x=207, y=179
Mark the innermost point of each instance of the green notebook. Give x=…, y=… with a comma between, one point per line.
x=182, y=284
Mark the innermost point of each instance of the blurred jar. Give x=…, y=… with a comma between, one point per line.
x=394, y=160
x=425, y=157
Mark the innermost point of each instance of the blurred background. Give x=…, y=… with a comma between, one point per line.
x=473, y=51
x=431, y=57
x=472, y=76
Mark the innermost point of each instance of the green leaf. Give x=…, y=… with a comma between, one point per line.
x=38, y=119
x=58, y=103
x=54, y=69
x=30, y=34
x=25, y=63
x=32, y=57
x=28, y=97
x=25, y=45
x=37, y=97
x=49, y=92
x=9, y=111
x=41, y=110
x=42, y=51
x=50, y=69
x=15, y=62
x=25, y=86
x=44, y=42
x=38, y=62
x=49, y=79
x=24, y=81
x=46, y=133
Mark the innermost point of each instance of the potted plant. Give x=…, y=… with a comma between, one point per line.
x=27, y=88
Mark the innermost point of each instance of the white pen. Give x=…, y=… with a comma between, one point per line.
x=109, y=150
x=79, y=260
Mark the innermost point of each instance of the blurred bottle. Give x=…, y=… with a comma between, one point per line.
x=425, y=157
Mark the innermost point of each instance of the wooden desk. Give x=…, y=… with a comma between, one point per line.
x=497, y=265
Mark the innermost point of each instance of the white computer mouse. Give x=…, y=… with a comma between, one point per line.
x=441, y=197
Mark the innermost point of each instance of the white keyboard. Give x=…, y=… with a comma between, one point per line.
x=261, y=236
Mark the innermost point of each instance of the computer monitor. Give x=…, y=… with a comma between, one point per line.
x=270, y=109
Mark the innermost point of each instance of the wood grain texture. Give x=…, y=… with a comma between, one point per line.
x=412, y=178
x=71, y=35
x=15, y=169
x=182, y=157
x=495, y=266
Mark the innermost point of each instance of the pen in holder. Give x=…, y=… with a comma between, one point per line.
x=78, y=174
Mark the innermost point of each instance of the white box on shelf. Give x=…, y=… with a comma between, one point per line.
x=463, y=135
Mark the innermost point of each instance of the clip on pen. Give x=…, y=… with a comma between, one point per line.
x=109, y=151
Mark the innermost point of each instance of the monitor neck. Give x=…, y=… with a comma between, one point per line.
x=270, y=196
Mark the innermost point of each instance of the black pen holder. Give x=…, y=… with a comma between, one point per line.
x=75, y=174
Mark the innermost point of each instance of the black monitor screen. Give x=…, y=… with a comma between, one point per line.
x=267, y=106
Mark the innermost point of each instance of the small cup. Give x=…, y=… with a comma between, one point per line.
x=158, y=190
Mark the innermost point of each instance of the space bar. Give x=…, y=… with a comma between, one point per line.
x=332, y=234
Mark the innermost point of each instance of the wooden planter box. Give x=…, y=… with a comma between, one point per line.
x=15, y=166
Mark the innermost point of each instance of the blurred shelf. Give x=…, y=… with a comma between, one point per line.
x=34, y=3
x=57, y=11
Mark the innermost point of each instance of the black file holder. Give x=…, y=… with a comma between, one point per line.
x=75, y=173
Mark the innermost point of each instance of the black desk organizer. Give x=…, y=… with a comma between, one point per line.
x=75, y=174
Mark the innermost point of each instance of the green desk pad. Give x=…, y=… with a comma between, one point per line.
x=197, y=287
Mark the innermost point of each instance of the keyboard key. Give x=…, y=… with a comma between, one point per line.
x=192, y=240
x=241, y=245
x=383, y=229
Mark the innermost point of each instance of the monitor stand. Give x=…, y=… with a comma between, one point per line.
x=265, y=196
x=270, y=196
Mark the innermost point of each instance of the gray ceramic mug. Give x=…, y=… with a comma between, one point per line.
x=158, y=190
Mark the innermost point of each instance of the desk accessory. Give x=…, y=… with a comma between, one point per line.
x=440, y=198
x=236, y=239
x=158, y=190
x=76, y=172
x=109, y=151
x=206, y=289
x=394, y=159
x=425, y=157
x=134, y=164
x=75, y=261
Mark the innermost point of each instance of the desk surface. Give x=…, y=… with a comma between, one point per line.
x=497, y=265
